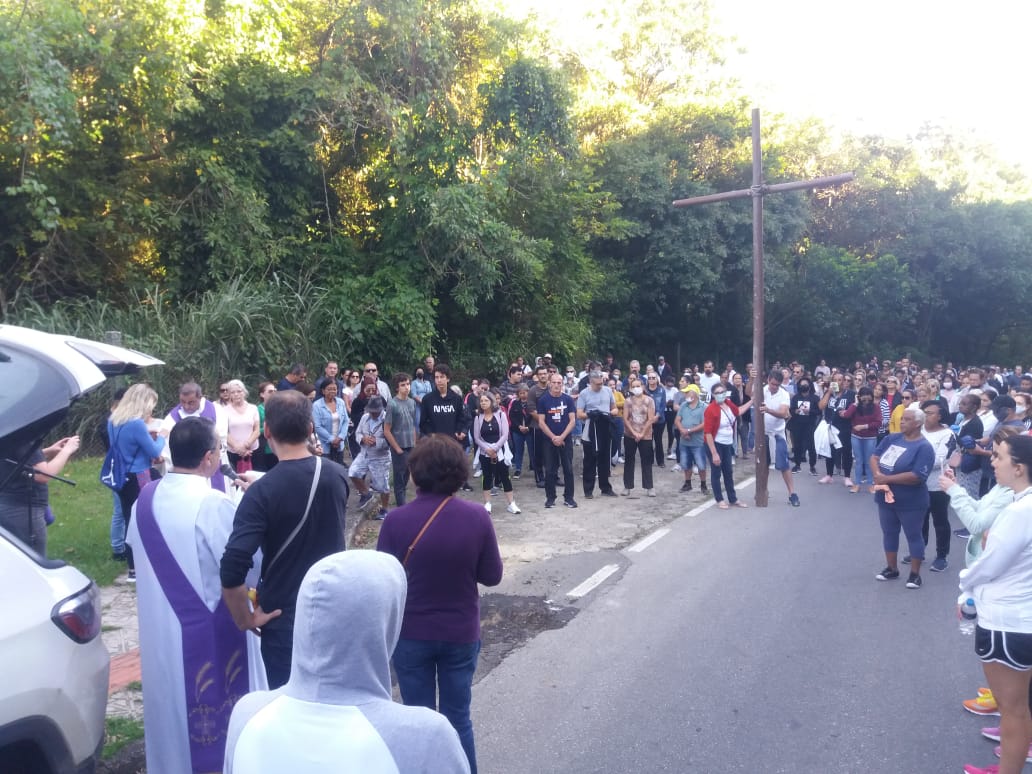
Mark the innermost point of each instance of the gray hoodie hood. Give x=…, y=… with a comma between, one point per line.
x=348, y=619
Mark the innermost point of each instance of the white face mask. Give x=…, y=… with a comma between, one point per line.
x=1019, y=411
x=636, y=390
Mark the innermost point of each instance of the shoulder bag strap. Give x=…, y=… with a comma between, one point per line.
x=304, y=517
x=425, y=526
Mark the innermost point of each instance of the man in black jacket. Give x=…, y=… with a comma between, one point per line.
x=443, y=411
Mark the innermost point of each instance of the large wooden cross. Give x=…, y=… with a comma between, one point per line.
x=757, y=191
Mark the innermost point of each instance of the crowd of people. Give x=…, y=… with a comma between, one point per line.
x=215, y=570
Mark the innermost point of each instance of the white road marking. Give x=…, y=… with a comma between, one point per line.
x=645, y=542
x=710, y=503
x=595, y=580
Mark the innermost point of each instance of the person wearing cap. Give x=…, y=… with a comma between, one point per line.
x=374, y=457
x=691, y=446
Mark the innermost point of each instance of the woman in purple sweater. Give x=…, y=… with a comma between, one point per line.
x=447, y=546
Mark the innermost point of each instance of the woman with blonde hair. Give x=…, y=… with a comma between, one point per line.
x=243, y=427
x=138, y=447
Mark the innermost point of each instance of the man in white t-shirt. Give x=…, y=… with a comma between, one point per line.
x=708, y=380
x=775, y=409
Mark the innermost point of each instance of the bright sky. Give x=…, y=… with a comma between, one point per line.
x=888, y=66
x=878, y=66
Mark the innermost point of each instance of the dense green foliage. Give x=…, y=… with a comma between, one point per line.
x=238, y=184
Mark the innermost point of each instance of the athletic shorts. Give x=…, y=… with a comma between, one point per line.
x=1008, y=648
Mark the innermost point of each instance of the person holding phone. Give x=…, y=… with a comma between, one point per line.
x=834, y=400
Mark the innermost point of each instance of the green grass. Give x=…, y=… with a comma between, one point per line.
x=120, y=732
x=81, y=534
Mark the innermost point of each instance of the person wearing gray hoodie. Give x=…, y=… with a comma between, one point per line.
x=336, y=713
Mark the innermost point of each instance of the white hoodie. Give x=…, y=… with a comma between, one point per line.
x=335, y=714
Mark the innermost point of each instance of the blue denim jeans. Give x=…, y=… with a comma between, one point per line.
x=117, y=526
x=519, y=443
x=693, y=455
x=439, y=675
x=863, y=448
x=723, y=470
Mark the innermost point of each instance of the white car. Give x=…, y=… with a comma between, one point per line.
x=53, y=663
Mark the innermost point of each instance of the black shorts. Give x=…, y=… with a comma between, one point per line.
x=1008, y=648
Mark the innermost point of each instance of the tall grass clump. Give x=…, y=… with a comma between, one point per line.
x=243, y=329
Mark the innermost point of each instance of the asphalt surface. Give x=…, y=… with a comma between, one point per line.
x=747, y=640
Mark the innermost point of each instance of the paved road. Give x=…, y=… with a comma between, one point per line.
x=745, y=641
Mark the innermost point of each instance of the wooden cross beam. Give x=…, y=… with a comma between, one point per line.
x=757, y=191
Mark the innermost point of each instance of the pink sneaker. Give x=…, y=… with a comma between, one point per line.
x=1028, y=756
x=991, y=732
x=824, y=480
x=991, y=769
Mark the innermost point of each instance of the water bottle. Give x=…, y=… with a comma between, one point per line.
x=968, y=615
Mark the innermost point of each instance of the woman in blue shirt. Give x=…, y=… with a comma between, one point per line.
x=330, y=418
x=901, y=463
x=132, y=440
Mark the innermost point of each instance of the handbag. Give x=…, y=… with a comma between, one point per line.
x=969, y=463
x=113, y=470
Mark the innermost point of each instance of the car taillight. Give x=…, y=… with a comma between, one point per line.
x=78, y=616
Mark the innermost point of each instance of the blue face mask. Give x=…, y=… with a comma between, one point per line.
x=720, y=397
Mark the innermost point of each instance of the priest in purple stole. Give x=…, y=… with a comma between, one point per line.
x=196, y=663
x=192, y=403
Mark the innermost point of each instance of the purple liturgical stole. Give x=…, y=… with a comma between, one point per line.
x=218, y=481
x=215, y=672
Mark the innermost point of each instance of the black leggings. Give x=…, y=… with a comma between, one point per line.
x=495, y=472
x=127, y=496
x=843, y=456
x=938, y=510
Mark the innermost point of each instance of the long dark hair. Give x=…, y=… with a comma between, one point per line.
x=871, y=408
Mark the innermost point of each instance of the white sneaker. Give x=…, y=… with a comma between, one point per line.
x=477, y=472
x=615, y=461
x=513, y=508
x=650, y=492
x=671, y=456
x=848, y=482
x=487, y=507
x=621, y=459
x=675, y=469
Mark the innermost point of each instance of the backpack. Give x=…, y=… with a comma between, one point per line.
x=114, y=470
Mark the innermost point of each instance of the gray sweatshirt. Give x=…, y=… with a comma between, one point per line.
x=336, y=713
